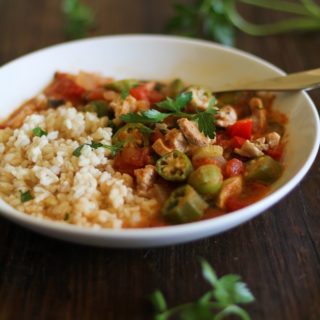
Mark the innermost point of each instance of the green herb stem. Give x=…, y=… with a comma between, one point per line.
x=312, y=7
x=232, y=310
x=294, y=24
x=178, y=309
x=278, y=5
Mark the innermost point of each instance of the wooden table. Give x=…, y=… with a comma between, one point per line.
x=278, y=253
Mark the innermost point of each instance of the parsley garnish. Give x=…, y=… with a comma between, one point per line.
x=145, y=130
x=25, y=196
x=204, y=119
x=222, y=300
x=114, y=149
x=177, y=104
x=77, y=152
x=38, y=132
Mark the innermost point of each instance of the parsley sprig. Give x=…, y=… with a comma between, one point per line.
x=227, y=293
x=114, y=149
x=79, y=18
x=174, y=107
x=220, y=19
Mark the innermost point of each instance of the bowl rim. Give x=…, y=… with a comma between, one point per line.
x=175, y=230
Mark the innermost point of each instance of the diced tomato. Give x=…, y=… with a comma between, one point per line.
x=223, y=140
x=254, y=192
x=2, y=126
x=131, y=158
x=276, y=153
x=242, y=128
x=234, y=167
x=142, y=93
x=65, y=87
x=154, y=96
x=237, y=142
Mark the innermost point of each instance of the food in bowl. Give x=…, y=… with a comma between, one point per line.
x=105, y=153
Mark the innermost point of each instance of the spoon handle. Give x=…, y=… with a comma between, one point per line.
x=305, y=80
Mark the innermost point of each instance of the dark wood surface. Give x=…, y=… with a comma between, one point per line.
x=278, y=253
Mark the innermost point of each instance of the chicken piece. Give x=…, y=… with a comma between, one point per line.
x=266, y=97
x=160, y=148
x=192, y=133
x=230, y=187
x=261, y=144
x=121, y=106
x=259, y=114
x=226, y=116
x=200, y=98
x=145, y=178
x=110, y=95
x=175, y=140
x=249, y=150
x=273, y=139
x=150, y=85
x=252, y=149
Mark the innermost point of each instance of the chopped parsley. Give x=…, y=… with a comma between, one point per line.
x=38, y=132
x=77, y=152
x=25, y=196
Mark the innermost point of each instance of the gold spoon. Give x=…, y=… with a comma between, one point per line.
x=305, y=80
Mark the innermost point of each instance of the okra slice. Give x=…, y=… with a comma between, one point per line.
x=174, y=166
x=132, y=134
x=207, y=180
x=184, y=205
x=264, y=169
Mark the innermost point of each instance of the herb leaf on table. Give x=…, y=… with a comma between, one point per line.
x=221, y=301
x=219, y=19
x=79, y=18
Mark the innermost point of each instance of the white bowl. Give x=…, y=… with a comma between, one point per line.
x=160, y=57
